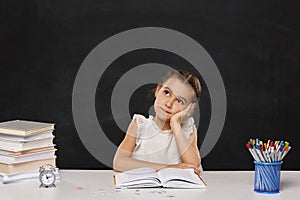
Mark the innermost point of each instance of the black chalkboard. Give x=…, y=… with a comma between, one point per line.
x=255, y=46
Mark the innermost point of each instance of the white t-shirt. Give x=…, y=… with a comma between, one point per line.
x=156, y=145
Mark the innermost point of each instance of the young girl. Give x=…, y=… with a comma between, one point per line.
x=169, y=139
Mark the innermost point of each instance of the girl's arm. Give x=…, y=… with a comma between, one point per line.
x=123, y=161
x=187, y=147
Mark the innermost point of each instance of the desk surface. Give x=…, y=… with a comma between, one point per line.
x=97, y=184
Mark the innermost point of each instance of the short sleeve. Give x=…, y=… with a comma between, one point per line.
x=141, y=124
x=188, y=127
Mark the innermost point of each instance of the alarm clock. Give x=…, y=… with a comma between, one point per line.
x=47, y=176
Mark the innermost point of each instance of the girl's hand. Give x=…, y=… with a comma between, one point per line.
x=182, y=115
x=186, y=166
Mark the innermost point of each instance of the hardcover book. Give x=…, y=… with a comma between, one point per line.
x=24, y=128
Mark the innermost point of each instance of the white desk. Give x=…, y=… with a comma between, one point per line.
x=97, y=184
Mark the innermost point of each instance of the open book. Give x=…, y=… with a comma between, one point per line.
x=167, y=177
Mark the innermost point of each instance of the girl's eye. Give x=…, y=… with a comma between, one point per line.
x=167, y=93
x=180, y=101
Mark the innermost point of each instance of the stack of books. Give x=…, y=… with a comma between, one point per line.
x=25, y=146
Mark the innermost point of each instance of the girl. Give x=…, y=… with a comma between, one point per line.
x=169, y=139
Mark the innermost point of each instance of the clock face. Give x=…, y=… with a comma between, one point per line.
x=47, y=177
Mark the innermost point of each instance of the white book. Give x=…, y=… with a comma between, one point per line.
x=12, y=153
x=5, y=137
x=22, y=146
x=26, y=166
x=25, y=176
x=24, y=128
x=27, y=157
x=167, y=177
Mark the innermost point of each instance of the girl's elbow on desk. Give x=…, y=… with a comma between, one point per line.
x=117, y=163
x=117, y=166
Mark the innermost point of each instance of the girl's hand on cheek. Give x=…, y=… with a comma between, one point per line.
x=182, y=116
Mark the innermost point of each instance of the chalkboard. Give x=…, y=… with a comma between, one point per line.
x=255, y=46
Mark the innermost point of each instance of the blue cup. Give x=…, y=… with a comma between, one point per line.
x=267, y=177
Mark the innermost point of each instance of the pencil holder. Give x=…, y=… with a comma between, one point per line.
x=267, y=177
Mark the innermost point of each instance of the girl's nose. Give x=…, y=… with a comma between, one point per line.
x=169, y=103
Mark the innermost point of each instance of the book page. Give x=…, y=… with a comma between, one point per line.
x=141, y=183
x=137, y=177
x=27, y=157
x=184, y=177
x=43, y=135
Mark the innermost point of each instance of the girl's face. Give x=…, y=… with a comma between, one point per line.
x=172, y=97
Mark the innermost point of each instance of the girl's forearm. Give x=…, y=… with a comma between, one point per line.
x=188, y=153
